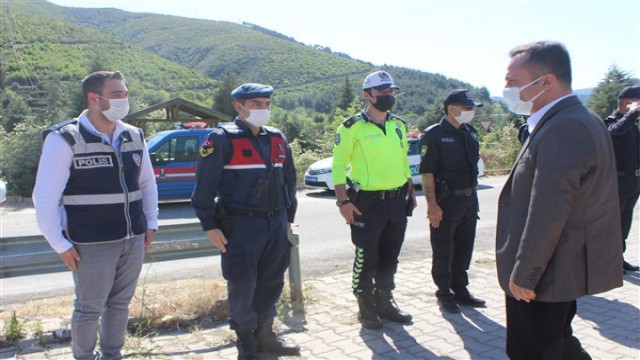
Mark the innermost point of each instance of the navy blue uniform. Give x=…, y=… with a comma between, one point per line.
x=625, y=137
x=452, y=155
x=255, y=181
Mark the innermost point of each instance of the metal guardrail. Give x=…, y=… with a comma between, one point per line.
x=29, y=255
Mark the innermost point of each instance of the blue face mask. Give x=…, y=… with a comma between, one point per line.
x=515, y=103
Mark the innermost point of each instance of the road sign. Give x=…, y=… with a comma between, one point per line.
x=486, y=124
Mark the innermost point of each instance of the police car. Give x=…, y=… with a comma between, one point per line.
x=173, y=155
x=319, y=176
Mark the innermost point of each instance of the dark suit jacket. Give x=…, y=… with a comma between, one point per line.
x=558, y=228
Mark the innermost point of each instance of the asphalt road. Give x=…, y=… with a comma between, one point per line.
x=325, y=244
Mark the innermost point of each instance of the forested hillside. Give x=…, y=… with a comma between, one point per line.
x=67, y=42
x=46, y=50
x=44, y=60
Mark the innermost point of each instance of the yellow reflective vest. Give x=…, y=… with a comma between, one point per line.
x=377, y=160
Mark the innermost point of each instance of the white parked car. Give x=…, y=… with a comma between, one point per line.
x=3, y=191
x=319, y=176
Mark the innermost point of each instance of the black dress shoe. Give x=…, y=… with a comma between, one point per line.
x=448, y=304
x=470, y=300
x=628, y=267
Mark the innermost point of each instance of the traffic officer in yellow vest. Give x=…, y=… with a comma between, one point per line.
x=248, y=167
x=96, y=204
x=373, y=144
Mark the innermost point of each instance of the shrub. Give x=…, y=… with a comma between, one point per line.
x=500, y=148
x=19, y=155
x=14, y=330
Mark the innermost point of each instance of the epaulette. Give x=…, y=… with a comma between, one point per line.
x=272, y=129
x=394, y=116
x=350, y=121
x=431, y=128
x=57, y=127
x=230, y=127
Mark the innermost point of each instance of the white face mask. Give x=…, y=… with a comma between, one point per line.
x=517, y=105
x=258, y=117
x=465, y=116
x=118, y=108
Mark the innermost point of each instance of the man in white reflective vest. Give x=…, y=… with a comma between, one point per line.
x=96, y=204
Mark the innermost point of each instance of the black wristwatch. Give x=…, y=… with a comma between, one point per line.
x=343, y=202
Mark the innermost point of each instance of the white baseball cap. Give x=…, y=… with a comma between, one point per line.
x=381, y=80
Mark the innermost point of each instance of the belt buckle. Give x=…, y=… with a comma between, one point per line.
x=468, y=192
x=382, y=194
x=638, y=172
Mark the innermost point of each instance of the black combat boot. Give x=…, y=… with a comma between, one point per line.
x=269, y=342
x=387, y=308
x=246, y=345
x=367, y=314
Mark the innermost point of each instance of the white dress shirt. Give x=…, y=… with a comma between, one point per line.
x=54, y=170
x=535, y=118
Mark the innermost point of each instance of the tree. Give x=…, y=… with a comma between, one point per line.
x=605, y=96
x=55, y=110
x=346, y=95
x=222, y=99
x=19, y=155
x=16, y=111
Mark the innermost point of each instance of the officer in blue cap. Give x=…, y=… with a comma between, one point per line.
x=247, y=167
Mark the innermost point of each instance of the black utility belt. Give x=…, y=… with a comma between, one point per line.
x=382, y=194
x=252, y=213
x=460, y=192
x=625, y=173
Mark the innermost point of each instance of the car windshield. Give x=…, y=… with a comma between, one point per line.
x=154, y=139
x=413, y=148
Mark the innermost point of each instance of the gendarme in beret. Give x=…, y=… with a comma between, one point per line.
x=630, y=92
x=252, y=91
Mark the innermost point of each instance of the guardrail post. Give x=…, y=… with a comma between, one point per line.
x=295, y=277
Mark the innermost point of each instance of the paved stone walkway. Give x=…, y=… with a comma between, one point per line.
x=608, y=325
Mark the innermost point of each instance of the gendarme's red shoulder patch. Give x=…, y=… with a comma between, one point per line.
x=207, y=148
x=207, y=143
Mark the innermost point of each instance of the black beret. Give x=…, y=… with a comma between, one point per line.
x=630, y=92
x=252, y=91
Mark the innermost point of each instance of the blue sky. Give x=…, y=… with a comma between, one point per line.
x=467, y=40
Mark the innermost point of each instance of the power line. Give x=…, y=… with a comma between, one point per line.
x=21, y=40
x=14, y=47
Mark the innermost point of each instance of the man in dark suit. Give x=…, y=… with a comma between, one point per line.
x=558, y=229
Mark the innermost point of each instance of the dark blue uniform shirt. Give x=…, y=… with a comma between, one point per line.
x=626, y=139
x=450, y=154
x=234, y=185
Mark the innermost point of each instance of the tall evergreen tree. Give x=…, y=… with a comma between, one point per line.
x=222, y=99
x=55, y=99
x=604, y=97
x=346, y=95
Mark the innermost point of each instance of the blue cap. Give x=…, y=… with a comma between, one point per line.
x=252, y=91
